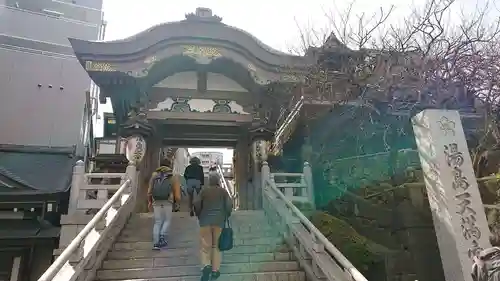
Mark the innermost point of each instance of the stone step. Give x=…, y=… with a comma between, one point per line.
x=184, y=271
x=238, y=215
x=192, y=260
x=177, y=242
x=264, y=276
x=174, y=243
x=188, y=218
x=194, y=221
x=180, y=229
x=188, y=225
x=238, y=212
x=192, y=251
x=145, y=235
x=185, y=215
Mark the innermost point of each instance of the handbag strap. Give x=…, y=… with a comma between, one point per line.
x=227, y=223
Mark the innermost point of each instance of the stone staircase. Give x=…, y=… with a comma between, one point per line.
x=259, y=253
x=277, y=243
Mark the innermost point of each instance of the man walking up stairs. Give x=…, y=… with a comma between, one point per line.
x=258, y=254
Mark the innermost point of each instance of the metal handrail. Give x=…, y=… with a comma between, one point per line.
x=54, y=268
x=232, y=193
x=335, y=253
x=290, y=117
x=223, y=181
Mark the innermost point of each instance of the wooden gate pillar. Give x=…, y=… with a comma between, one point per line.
x=242, y=155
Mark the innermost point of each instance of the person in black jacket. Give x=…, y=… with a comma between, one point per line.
x=195, y=178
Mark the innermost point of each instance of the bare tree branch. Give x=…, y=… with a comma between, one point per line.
x=428, y=60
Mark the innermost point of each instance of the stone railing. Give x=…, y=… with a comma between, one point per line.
x=297, y=187
x=90, y=191
x=319, y=258
x=86, y=239
x=228, y=187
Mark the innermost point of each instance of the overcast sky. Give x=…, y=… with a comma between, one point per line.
x=275, y=22
x=272, y=21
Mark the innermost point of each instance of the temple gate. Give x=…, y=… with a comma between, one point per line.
x=196, y=82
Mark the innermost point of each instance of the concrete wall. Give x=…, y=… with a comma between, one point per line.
x=43, y=85
x=39, y=26
x=33, y=115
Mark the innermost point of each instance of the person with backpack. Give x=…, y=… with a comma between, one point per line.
x=487, y=263
x=213, y=208
x=163, y=196
x=195, y=178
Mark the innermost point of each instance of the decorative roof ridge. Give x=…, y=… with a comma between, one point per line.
x=204, y=15
x=69, y=150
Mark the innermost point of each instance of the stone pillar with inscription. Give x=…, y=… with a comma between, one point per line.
x=458, y=213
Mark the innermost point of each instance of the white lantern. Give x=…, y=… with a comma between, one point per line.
x=136, y=149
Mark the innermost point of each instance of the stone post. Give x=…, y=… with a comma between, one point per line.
x=457, y=210
x=132, y=174
x=308, y=177
x=265, y=174
x=75, y=220
x=77, y=181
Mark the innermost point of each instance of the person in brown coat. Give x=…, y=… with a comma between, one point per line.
x=213, y=207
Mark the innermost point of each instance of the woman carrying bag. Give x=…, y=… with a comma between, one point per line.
x=213, y=208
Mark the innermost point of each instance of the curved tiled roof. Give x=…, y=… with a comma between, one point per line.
x=193, y=28
x=36, y=169
x=162, y=26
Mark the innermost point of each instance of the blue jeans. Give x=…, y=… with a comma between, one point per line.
x=162, y=215
x=193, y=185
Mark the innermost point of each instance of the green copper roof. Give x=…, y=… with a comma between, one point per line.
x=27, y=228
x=33, y=169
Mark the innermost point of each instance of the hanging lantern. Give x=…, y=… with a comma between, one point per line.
x=135, y=149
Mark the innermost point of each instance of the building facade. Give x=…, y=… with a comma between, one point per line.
x=42, y=79
x=195, y=83
x=46, y=117
x=209, y=158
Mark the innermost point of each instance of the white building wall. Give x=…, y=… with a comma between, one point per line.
x=181, y=161
x=208, y=158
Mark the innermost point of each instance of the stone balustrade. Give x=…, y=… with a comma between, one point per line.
x=297, y=187
x=90, y=191
x=86, y=238
x=319, y=258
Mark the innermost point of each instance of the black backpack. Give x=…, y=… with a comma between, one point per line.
x=162, y=186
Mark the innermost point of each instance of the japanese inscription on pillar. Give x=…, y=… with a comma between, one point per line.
x=460, y=184
x=458, y=213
